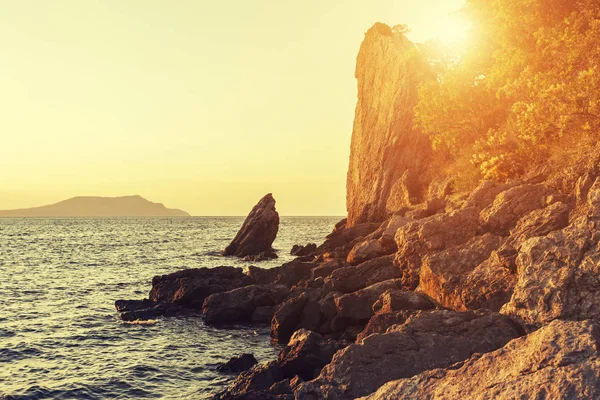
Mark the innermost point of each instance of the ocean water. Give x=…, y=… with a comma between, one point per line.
x=60, y=336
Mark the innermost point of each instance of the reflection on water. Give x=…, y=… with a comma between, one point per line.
x=60, y=336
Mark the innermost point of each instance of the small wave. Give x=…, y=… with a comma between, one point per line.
x=141, y=322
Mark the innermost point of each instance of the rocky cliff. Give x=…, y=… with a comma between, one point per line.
x=388, y=159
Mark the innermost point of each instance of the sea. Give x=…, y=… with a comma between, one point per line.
x=60, y=336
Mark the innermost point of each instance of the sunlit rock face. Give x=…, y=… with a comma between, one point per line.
x=388, y=155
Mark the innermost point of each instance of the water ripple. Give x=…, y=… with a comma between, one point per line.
x=60, y=337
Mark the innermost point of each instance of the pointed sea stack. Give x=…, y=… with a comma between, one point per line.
x=258, y=232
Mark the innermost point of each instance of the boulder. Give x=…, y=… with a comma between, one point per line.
x=263, y=315
x=430, y=235
x=427, y=340
x=398, y=300
x=303, y=251
x=144, y=310
x=235, y=365
x=358, y=306
x=443, y=274
x=299, y=311
x=326, y=268
x=365, y=251
x=258, y=231
x=557, y=275
x=304, y=357
x=289, y=274
x=489, y=286
x=388, y=234
x=509, y=206
x=382, y=321
x=559, y=361
x=339, y=243
x=262, y=256
x=239, y=305
x=306, y=354
x=191, y=287
x=254, y=383
x=287, y=317
x=484, y=195
x=352, y=278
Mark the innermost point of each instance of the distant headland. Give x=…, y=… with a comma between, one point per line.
x=126, y=206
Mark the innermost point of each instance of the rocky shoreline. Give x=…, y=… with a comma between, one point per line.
x=506, y=262
x=424, y=291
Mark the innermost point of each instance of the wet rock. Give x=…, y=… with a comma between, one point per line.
x=282, y=387
x=238, y=364
x=262, y=256
x=258, y=232
x=358, y=306
x=144, y=310
x=287, y=317
x=559, y=361
x=428, y=340
x=263, y=315
x=133, y=305
x=239, y=305
x=289, y=274
x=428, y=236
x=353, y=278
x=191, y=287
x=298, y=312
x=254, y=383
x=303, y=251
x=443, y=274
x=512, y=204
x=306, y=354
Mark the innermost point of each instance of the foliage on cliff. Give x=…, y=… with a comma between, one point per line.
x=526, y=90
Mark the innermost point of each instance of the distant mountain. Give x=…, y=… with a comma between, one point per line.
x=127, y=206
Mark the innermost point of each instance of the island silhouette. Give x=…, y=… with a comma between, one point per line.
x=84, y=206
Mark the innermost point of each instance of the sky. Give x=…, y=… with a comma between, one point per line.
x=201, y=105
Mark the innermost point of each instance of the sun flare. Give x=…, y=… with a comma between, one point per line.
x=452, y=31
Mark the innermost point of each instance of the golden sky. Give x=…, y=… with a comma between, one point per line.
x=201, y=105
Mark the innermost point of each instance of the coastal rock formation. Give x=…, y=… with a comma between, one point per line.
x=304, y=251
x=239, y=305
x=560, y=361
x=238, y=364
x=388, y=158
x=258, y=232
x=352, y=278
x=428, y=340
x=302, y=358
x=289, y=274
x=191, y=287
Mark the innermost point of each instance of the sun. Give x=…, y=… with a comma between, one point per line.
x=452, y=31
